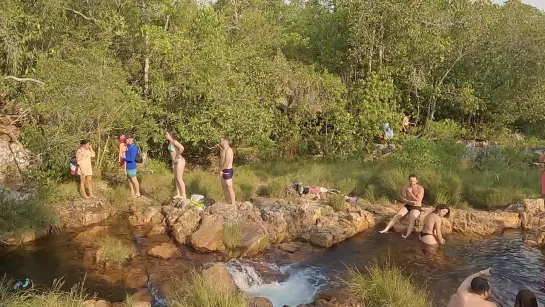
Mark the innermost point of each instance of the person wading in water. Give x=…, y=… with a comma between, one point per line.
x=178, y=164
x=473, y=292
x=226, y=170
x=412, y=196
x=431, y=232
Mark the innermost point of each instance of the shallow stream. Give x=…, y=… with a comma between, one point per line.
x=298, y=277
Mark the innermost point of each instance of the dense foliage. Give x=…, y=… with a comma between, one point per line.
x=281, y=77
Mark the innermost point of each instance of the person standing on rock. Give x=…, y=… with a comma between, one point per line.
x=130, y=162
x=473, y=292
x=431, y=232
x=85, y=168
x=122, y=148
x=226, y=170
x=412, y=195
x=178, y=164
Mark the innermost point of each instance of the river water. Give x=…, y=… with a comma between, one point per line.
x=310, y=270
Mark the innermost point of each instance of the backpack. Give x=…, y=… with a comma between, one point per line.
x=73, y=163
x=138, y=158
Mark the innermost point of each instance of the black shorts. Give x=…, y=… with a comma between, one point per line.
x=411, y=207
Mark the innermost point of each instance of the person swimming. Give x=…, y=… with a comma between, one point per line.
x=473, y=292
x=431, y=232
x=526, y=298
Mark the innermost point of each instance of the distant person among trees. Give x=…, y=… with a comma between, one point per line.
x=176, y=149
x=473, y=292
x=405, y=124
x=130, y=162
x=526, y=298
x=122, y=148
x=412, y=195
x=388, y=131
x=85, y=168
x=226, y=170
x=431, y=232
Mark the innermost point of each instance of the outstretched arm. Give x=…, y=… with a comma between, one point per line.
x=466, y=284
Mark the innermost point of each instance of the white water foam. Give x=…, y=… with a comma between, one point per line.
x=301, y=287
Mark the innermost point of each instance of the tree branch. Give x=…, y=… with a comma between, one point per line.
x=41, y=83
x=80, y=13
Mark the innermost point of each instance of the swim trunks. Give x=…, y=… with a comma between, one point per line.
x=228, y=174
x=131, y=172
x=411, y=207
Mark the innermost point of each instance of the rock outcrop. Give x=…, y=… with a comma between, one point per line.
x=84, y=212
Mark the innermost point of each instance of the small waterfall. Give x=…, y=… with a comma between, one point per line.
x=301, y=287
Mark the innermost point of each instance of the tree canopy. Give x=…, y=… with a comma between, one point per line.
x=299, y=77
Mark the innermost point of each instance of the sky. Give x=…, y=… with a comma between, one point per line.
x=537, y=3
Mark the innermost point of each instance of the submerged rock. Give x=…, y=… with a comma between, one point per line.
x=21, y=238
x=164, y=251
x=289, y=247
x=89, y=237
x=136, y=278
x=260, y=302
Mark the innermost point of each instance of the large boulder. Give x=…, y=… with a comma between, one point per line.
x=84, y=212
x=221, y=278
x=186, y=223
x=483, y=222
x=209, y=237
x=13, y=157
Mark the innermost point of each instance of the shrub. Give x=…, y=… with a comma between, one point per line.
x=18, y=216
x=115, y=250
x=425, y=154
x=197, y=290
x=232, y=235
x=444, y=130
x=385, y=285
x=35, y=298
x=337, y=202
x=442, y=188
x=391, y=181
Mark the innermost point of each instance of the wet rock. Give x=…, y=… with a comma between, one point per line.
x=157, y=230
x=142, y=296
x=102, y=303
x=185, y=224
x=260, y=302
x=209, y=237
x=483, y=222
x=89, y=237
x=145, y=215
x=25, y=237
x=289, y=247
x=322, y=238
x=136, y=278
x=84, y=212
x=164, y=251
x=536, y=238
x=221, y=278
x=88, y=303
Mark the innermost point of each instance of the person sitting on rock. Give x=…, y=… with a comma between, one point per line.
x=526, y=298
x=473, y=292
x=412, y=196
x=431, y=232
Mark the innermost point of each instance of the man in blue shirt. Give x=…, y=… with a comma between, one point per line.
x=130, y=159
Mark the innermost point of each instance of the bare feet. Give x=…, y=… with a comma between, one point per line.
x=85, y=197
x=383, y=231
x=177, y=197
x=404, y=236
x=92, y=196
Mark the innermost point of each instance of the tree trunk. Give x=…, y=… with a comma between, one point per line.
x=146, y=65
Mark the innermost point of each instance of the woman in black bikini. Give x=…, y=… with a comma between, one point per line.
x=431, y=232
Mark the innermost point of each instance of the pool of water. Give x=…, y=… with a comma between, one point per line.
x=306, y=272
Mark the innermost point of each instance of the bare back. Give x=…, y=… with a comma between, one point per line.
x=431, y=222
x=468, y=300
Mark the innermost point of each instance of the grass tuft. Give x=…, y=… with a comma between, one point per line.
x=32, y=297
x=198, y=290
x=232, y=235
x=337, y=202
x=385, y=285
x=115, y=250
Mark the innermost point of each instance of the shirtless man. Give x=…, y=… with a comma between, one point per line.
x=226, y=170
x=176, y=149
x=122, y=148
x=431, y=232
x=473, y=292
x=412, y=196
x=405, y=124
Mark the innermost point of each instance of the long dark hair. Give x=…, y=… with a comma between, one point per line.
x=526, y=298
x=441, y=207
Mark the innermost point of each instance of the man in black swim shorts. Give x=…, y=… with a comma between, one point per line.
x=412, y=196
x=226, y=170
